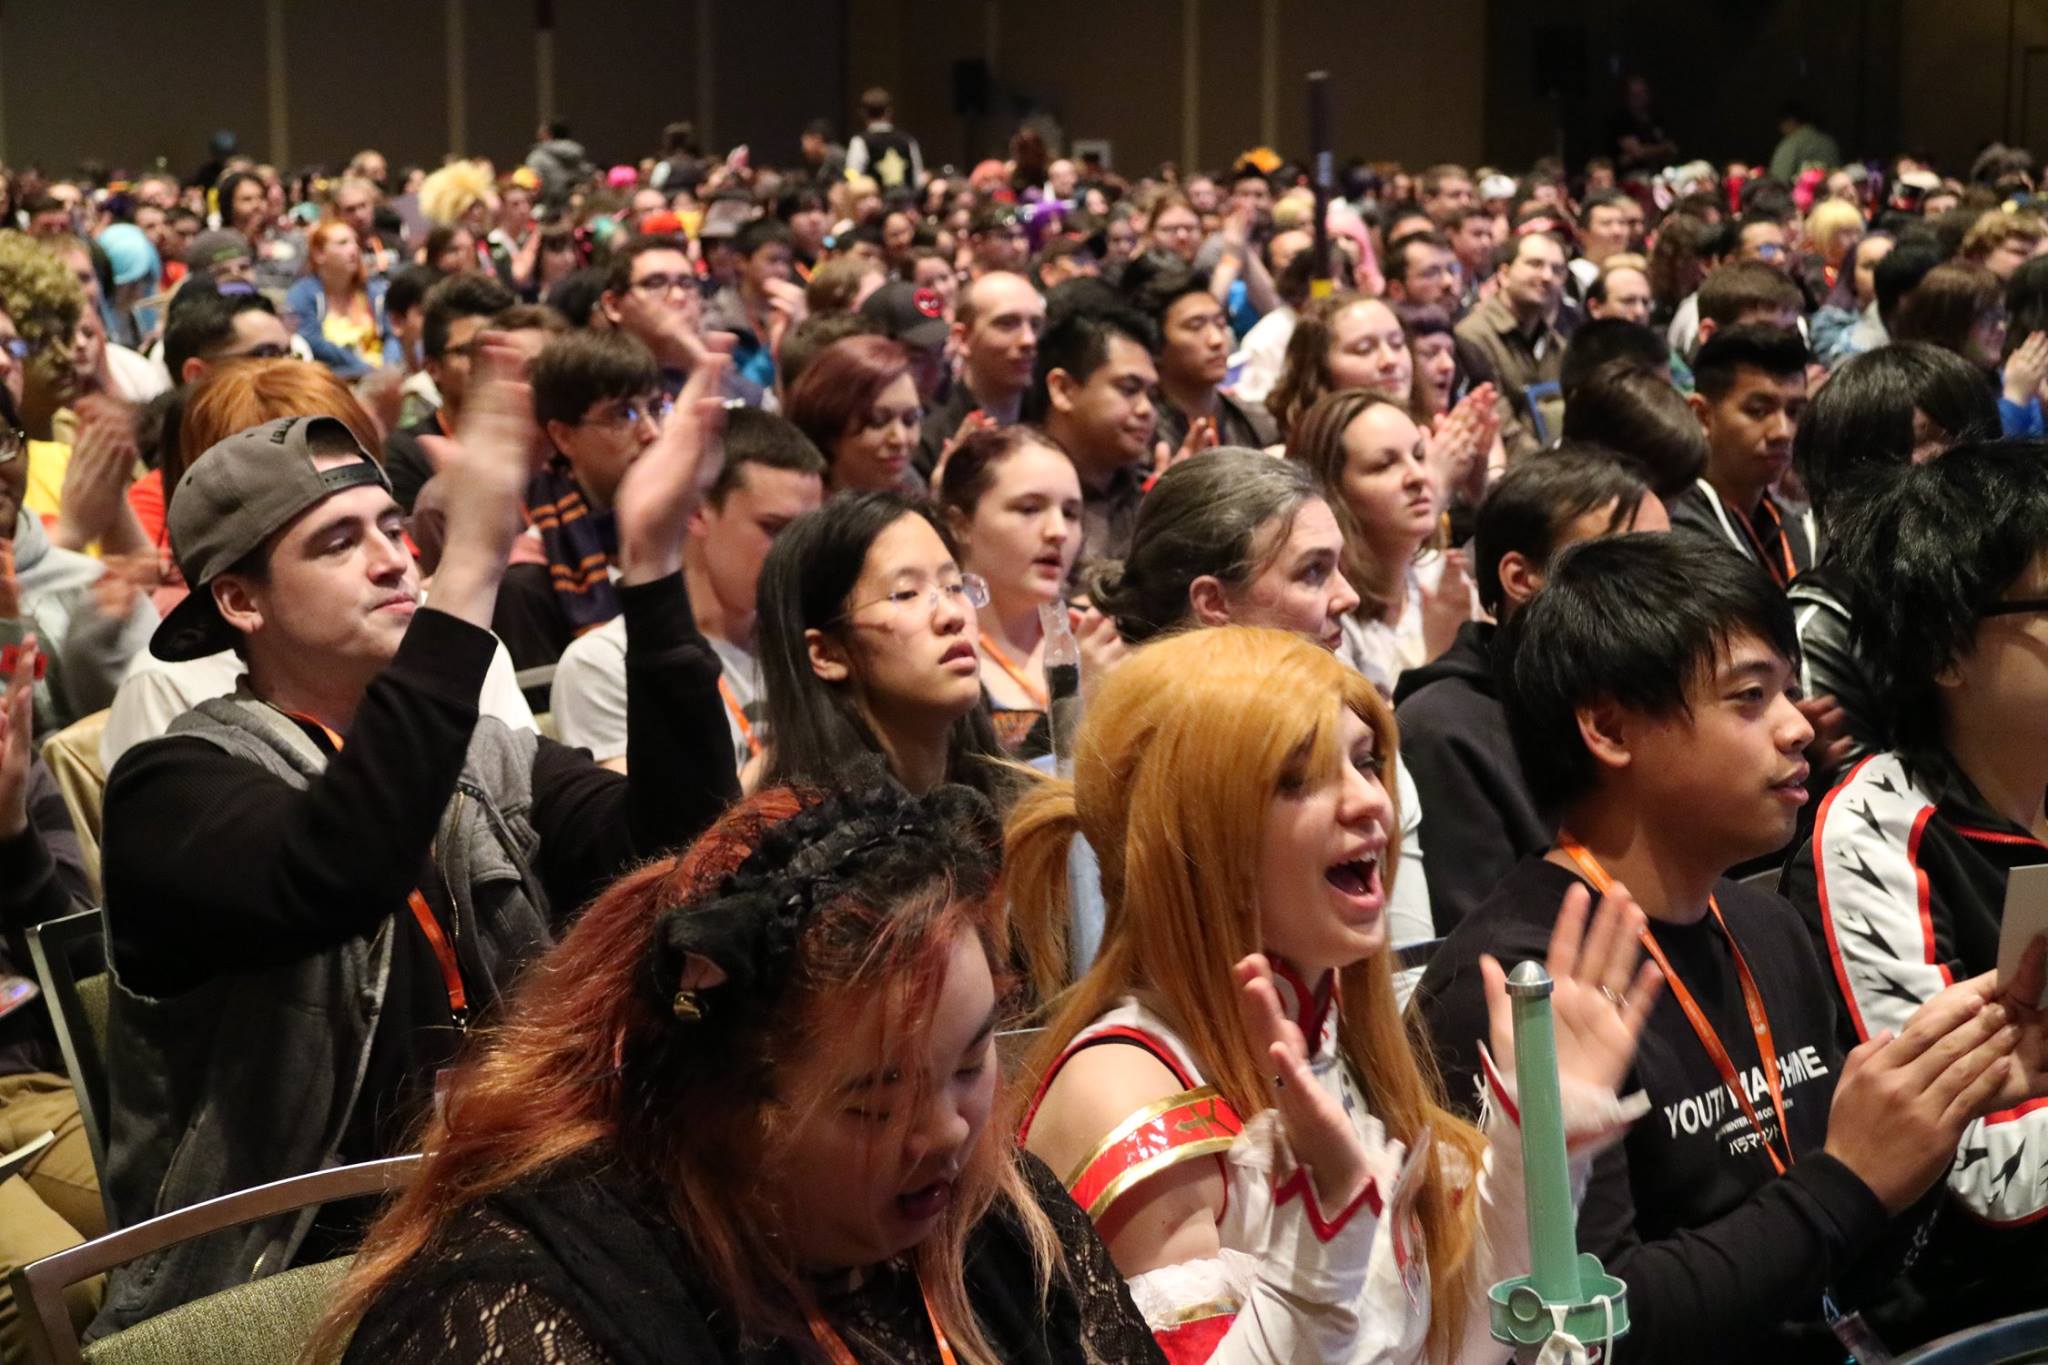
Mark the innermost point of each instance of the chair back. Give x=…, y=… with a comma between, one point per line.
x=73, y=756
x=70, y=957
x=266, y=1320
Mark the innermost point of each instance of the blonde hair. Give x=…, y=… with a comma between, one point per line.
x=1182, y=749
x=453, y=190
x=1829, y=219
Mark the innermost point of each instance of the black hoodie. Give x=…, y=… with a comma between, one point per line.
x=1454, y=736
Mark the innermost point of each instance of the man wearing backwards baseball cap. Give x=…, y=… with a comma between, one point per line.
x=315, y=884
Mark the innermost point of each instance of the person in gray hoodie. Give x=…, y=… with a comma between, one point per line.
x=560, y=162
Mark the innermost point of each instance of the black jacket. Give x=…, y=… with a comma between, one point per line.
x=1902, y=886
x=1722, y=1257
x=1830, y=665
x=1454, y=737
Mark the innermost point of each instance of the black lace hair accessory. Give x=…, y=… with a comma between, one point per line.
x=725, y=958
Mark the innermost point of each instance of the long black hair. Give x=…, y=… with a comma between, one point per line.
x=817, y=734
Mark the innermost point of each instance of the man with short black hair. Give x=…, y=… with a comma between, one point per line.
x=995, y=330
x=772, y=475
x=361, y=863
x=1091, y=394
x=1473, y=233
x=451, y=332
x=651, y=294
x=207, y=330
x=599, y=402
x=1903, y=882
x=1511, y=340
x=883, y=150
x=762, y=301
x=1454, y=733
x=1650, y=690
x=1749, y=387
x=1604, y=231
x=996, y=240
x=1193, y=356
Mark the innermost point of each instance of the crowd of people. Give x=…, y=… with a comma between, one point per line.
x=632, y=680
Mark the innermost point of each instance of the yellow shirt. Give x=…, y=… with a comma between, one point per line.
x=352, y=334
x=47, y=461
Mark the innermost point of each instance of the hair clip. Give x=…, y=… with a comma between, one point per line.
x=699, y=975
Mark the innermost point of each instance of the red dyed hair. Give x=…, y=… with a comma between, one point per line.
x=837, y=389
x=578, y=1060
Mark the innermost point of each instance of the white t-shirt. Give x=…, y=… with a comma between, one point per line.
x=588, y=701
x=155, y=692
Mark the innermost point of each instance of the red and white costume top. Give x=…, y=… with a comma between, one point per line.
x=1291, y=1281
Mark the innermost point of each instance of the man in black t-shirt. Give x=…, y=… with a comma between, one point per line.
x=452, y=317
x=1649, y=691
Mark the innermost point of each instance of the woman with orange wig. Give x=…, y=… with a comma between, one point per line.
x=1231, y=1089
x=741, y=1113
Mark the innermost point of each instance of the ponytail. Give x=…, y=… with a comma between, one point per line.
x=1036, y=842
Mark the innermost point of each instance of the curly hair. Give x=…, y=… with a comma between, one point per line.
x=43, y=299
x=453, y=190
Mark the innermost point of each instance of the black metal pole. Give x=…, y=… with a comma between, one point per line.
x=1323, y=175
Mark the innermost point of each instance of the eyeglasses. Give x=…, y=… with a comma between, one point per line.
x=269, y=350
x=662, y=284
x=969, y=588
x=630, y=414
x=18, y=347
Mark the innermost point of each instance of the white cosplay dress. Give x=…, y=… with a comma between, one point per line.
x=1294, y=1281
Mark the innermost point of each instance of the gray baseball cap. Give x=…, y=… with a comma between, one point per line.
x=232, y=499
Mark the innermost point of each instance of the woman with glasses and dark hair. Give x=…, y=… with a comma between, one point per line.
x=867, y=635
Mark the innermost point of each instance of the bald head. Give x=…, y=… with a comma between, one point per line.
x=995, y=329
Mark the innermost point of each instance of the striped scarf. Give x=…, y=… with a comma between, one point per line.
x=579, y=545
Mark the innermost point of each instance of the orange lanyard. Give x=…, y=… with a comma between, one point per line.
x=1017, y=676
x=422, y=913
x=835, y=1346
x=739, y=716
x=1756, y=542
x=1752, y=999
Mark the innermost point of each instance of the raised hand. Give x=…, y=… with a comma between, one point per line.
x=1598, y=997
x=1448, y=605
x=2027, y=368
x=95, y=490
x=483, y=485
x=974, y=421
x=667, y=480
x=1318, y=1130
x=1201, y=436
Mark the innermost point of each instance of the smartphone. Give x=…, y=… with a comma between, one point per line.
x=2026, y=916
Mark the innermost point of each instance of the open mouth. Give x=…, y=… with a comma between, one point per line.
x=1358, y=878
x=961, y=658
x=926, y=1201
